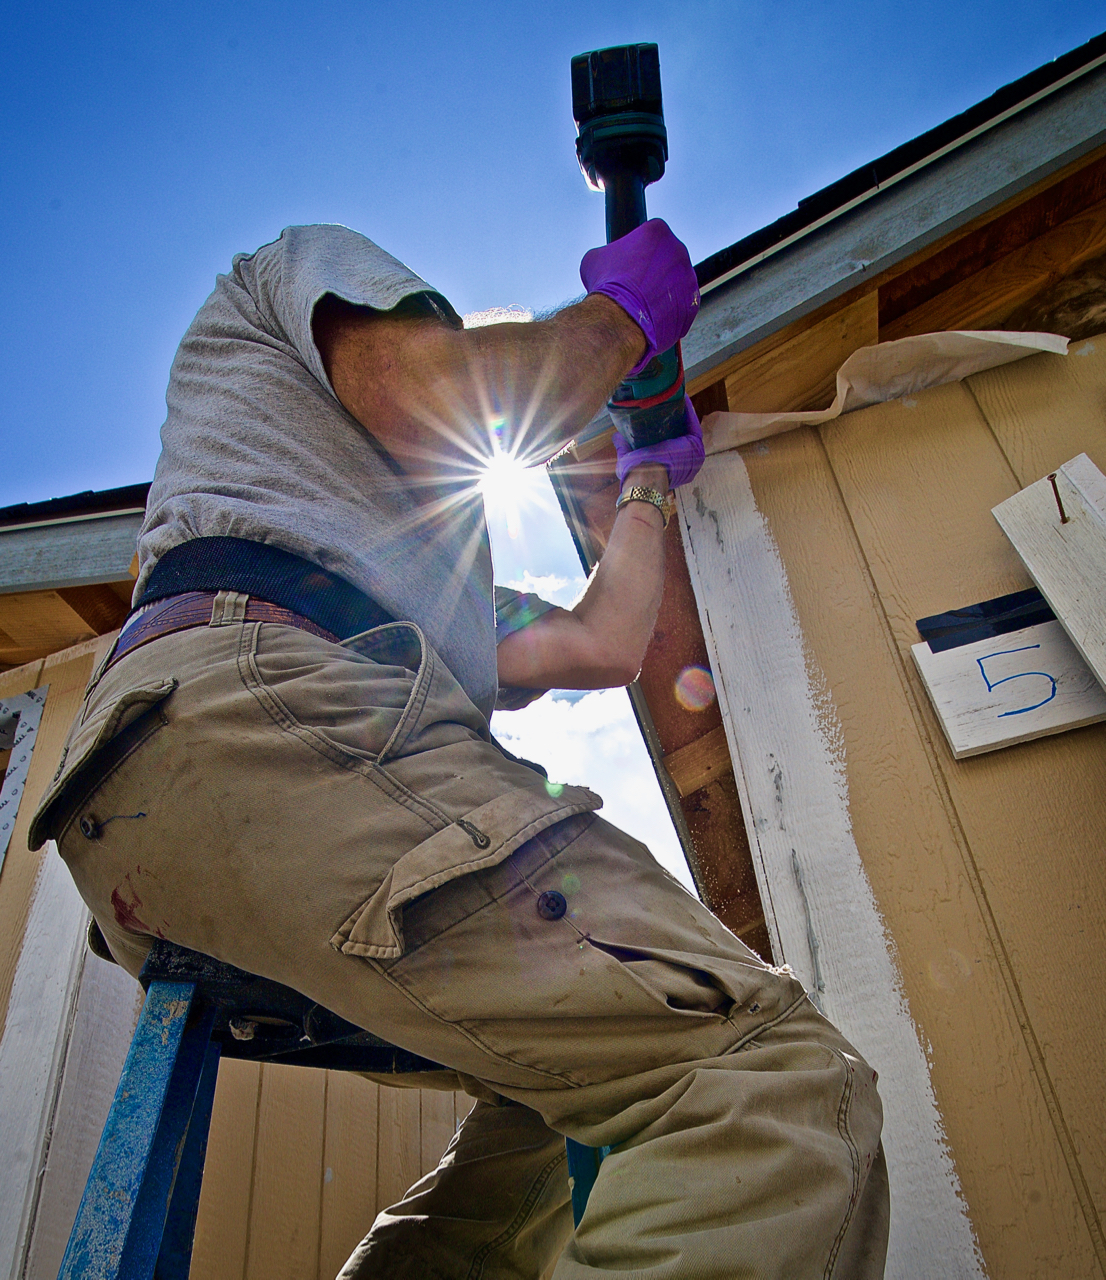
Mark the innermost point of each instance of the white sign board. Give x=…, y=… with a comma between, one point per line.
x=1011, y=688
x=1058, y=527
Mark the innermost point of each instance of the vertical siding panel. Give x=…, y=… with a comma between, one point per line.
x=438, y=1125
x=896, y=474
x=67, y=674
x=462, y=1105
x=222, y=1226
x=288, y=1174
x=1006, y=1152
x=400, y=1144
x=349, y=1168
x=1046, y=409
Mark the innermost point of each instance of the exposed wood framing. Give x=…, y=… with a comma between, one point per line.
x=700, y=762
x=985, y=299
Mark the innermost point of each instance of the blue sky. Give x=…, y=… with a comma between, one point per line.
x=143, y=145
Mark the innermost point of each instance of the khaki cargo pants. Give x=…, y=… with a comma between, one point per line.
x=336, y=818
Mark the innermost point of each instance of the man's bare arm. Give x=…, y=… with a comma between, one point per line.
x=601, y=642
x=437, y=398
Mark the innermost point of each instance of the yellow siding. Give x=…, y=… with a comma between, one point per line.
x=301, y=1161
x=989, y=872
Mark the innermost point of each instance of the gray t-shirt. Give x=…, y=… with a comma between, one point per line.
x=256, y=445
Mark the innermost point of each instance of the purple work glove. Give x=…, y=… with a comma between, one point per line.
x=681, y=457
x=649, y=274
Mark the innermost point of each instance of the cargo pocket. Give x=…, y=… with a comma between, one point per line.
x=703, y=985
x=434, y=754
x=485, y=836
x=114, y=730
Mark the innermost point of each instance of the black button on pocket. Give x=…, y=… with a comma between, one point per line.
x=552, y=905
x=90, y=828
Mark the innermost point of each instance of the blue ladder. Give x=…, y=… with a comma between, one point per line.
x=137, y=1217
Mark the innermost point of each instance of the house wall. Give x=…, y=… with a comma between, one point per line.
x=987, y=873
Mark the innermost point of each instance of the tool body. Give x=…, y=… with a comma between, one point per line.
x=622, y=147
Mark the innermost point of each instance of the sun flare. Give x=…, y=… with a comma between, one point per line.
x=507, y=485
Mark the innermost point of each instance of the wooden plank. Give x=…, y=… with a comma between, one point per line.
x=896, y=467
x=107, y=1007
x=349, y=1172
x=722, y=861
x=32, y=1050
x=822, y=915
x=1000, y=236
x=985, y=299
x=400, y=1139
x=718, y=373
x=700, y=762
x=1058, y=527
x=223, y=1222
x=99, y=605
x=287, y=1175
x=68, y=554
x=1011, y=688
x=41, y=620
x=801, y=372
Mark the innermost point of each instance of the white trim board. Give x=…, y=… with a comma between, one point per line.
x=1060, y=534
x=32, y=1051
x=817, y=900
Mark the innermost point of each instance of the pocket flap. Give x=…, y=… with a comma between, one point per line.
x=489, y=833
x=86, y=738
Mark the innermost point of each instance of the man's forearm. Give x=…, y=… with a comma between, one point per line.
x=441, y=400
x=601, y=641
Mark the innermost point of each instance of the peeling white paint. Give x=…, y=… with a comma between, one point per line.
x=788, y=750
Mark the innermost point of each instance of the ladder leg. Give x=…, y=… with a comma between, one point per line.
x=121, y=1218
x=583, y=1169
x=175, y=1255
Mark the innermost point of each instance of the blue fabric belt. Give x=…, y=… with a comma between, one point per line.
x=269, y=573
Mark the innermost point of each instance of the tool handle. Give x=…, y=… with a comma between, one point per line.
x=624, y=192
x=650, y=407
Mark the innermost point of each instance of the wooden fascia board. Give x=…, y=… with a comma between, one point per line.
x=68, y=553
x=858, y=248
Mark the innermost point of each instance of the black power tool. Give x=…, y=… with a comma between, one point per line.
x=623, y=146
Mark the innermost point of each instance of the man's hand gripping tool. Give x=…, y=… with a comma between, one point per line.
x=623, y=146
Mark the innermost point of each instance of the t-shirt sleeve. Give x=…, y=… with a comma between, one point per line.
x=515, y=610
x=287, y=279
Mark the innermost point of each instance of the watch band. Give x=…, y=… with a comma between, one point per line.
x=641, y=493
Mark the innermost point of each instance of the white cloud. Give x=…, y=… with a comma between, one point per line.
x=594, y=740
x=550, y=586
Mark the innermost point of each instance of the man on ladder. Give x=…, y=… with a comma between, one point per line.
x=286, y=764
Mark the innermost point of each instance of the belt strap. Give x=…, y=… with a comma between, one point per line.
x=193, y=609
x=265, y=572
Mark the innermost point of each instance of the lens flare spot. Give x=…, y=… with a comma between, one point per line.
x=695, y=688
x=570, y=884
x=554, y=788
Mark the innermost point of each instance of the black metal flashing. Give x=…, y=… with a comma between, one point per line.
x=910, y=155
x=129, y=497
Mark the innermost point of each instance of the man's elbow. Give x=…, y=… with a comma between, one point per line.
x=614, y=668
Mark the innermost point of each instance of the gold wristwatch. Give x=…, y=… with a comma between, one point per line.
x=642, y=493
